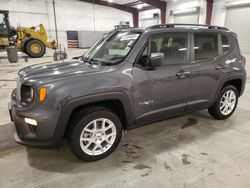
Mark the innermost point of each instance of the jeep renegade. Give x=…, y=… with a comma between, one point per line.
x=129, y=78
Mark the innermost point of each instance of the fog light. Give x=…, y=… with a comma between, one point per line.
x=30, y=121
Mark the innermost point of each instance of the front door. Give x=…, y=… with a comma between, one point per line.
x=162, y=91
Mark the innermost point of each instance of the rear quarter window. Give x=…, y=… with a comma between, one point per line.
x=225, y=43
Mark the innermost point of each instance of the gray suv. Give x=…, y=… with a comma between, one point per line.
x=129, y=78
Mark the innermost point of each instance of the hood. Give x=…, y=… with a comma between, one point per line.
x=51, y=71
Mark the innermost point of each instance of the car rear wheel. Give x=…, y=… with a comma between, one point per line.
x=226, y=103
x=97, y=132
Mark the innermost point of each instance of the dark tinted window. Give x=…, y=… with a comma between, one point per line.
x=205, y=46
x=173, y=46
x=225, y=43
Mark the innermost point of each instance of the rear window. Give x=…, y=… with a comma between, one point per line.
x=205, y=46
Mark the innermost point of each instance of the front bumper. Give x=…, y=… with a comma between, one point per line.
x=43, y=135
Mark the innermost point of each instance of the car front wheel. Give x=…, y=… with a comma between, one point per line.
x=96, y=134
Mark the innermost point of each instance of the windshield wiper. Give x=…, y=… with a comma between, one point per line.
x=90, y=61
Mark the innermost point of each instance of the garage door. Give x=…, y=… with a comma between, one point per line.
x=88, y=38
x=237, y=20
x=187, y=18
x=149, y=22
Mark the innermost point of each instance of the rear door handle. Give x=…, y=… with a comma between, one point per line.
x=219, y=67
x=182, y=74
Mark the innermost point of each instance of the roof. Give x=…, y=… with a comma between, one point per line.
x=186, y=27
x=133, y=29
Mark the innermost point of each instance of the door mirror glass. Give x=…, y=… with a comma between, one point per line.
x=156, y=59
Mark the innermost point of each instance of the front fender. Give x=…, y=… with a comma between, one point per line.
x=79, y=101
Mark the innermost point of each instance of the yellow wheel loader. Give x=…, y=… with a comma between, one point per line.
x=32, y=41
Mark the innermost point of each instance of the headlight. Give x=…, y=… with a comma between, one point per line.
x=27, y=94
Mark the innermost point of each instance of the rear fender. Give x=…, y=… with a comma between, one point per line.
x=227, y=79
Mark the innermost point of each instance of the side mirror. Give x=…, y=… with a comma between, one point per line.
x=156, y=59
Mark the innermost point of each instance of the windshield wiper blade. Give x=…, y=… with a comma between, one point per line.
x=91, y=61
x=88, y=61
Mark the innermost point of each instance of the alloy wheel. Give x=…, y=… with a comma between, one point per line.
x=98, y=136
x=227, y=102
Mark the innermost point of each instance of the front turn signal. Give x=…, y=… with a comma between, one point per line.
x=43, y=92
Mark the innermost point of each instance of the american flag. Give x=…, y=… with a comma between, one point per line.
x=72, y=38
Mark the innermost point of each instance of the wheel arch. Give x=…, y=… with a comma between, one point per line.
x=238, y=81
x=118, y=102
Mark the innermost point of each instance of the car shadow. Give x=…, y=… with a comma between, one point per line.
x=138, y=145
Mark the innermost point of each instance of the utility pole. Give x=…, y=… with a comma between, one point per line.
x=54, y=11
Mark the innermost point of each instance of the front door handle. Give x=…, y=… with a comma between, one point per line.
x=182, y=74
x=219, y=67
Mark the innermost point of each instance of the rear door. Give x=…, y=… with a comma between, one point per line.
x=162, y=91
x=209, y=57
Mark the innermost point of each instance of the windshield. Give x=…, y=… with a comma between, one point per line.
x=114, y=49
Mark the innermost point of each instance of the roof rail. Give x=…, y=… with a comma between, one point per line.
x=188, y=25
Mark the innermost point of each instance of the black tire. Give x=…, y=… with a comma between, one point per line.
x=215, y=109
x=81, y=120
x=28, y=48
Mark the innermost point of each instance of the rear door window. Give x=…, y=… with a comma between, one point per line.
x=205, y=46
